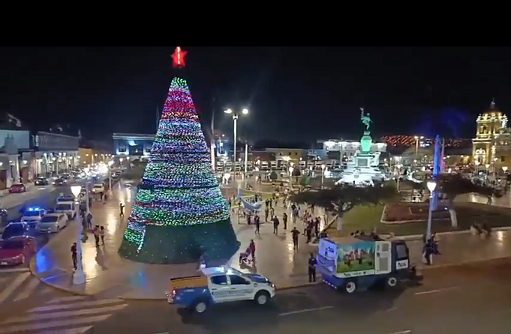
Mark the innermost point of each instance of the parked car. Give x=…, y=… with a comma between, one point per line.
x=16, y=250
x=41, y=181
x=69, y=198
x=60, y=182
x=15, y=230
x=67, y=208
x=17, y=188
x=98, y=188
x=52, y=223
x=32, y=215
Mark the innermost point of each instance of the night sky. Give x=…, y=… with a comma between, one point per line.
x=293, y=93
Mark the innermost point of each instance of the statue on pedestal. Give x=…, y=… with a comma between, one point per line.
x=366, y=119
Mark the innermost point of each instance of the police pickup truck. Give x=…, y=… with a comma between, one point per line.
x=218, y=285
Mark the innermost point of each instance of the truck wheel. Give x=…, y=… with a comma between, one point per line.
x=200, y=307
x=392, y=282
x=262, y=297
x=350, y=287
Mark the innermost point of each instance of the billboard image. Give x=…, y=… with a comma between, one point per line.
x=355, y=257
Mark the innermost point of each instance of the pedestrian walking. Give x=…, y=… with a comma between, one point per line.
x=252, y=248
x=257, y=225
x=121, y=210
x=96, y=235
x=74, y=255
x=312, y=268
x=89, y=221
x=284, y=219
x=295, y=233
x=102, y=235
x=276, y=223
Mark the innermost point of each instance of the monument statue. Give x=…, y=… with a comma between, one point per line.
x=365, y=118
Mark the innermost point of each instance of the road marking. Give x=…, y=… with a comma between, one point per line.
x=14, y=270
x=435, y=291
x=74, y=305
x=64, y=314
x=13, y=286
x=65, y=299
x=27, y=328
x=79, y=330
x=34, y=282
x=305, y=310
x=402, y=332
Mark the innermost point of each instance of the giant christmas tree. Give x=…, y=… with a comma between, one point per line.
x=179, y=213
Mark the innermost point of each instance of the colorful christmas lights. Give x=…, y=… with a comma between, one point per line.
x=179, y=213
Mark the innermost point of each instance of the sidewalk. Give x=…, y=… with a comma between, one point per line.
x=110, y=276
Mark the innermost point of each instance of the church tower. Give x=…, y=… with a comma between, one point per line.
x=490, y=126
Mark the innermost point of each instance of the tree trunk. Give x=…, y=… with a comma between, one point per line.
x=452, y=213
x=339, y=221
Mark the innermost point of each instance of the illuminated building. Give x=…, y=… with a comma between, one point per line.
x=492, y=144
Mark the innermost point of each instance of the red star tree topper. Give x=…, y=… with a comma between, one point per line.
x=178, y=57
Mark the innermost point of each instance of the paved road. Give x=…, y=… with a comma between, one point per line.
x=466, y=299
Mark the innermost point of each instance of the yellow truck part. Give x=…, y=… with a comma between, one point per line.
x=188, y=282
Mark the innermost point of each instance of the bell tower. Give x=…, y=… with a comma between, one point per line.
x=488, y=129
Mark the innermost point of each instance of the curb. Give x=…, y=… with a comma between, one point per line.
x=414, y=237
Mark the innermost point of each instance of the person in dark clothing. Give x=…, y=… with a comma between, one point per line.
x=121, y=210
x=96, y=235
x=276, y=223
x=308, y=231
x=257, y=224
x=312, y=268
x=284, y=219
x=295, y=233
x=316, y=227
x=74, y=255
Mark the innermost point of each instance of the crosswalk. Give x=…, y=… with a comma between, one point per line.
x=17, y=284
x=64, y=315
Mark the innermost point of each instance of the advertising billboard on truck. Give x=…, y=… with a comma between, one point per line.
x=355, y=259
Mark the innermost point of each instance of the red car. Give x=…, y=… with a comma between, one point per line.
x=17, y=188
x=16, y=250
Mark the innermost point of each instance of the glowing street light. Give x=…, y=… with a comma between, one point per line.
x=78, y=275
x=235, y=120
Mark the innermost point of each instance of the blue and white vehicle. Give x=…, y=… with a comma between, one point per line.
x=219, y=285
x=33, y=215
x=353, y=263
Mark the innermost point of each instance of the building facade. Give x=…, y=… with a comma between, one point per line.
x=491, y=146
x=132, y=145
x=54, y=152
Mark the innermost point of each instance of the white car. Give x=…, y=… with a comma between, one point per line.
x=32, y=215
x=67, y=208
x=98, y=188
x=51, y=223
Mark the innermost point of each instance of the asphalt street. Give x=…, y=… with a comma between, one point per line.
x=465, y=299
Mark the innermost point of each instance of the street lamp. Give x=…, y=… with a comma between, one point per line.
x=398, y=166
x=110, y=163
x=78, y=275
x=417, y=138
x=322, y=174
x=235, y=120
x=431, y=187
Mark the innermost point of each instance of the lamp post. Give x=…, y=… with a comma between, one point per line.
x=235, y=120
x=78, y=274
x=110, y=163
x=322, y=174
x=417, y=145
x=398, y=167
x=431, y=187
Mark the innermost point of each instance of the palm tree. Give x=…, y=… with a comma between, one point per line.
x=341, y=199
